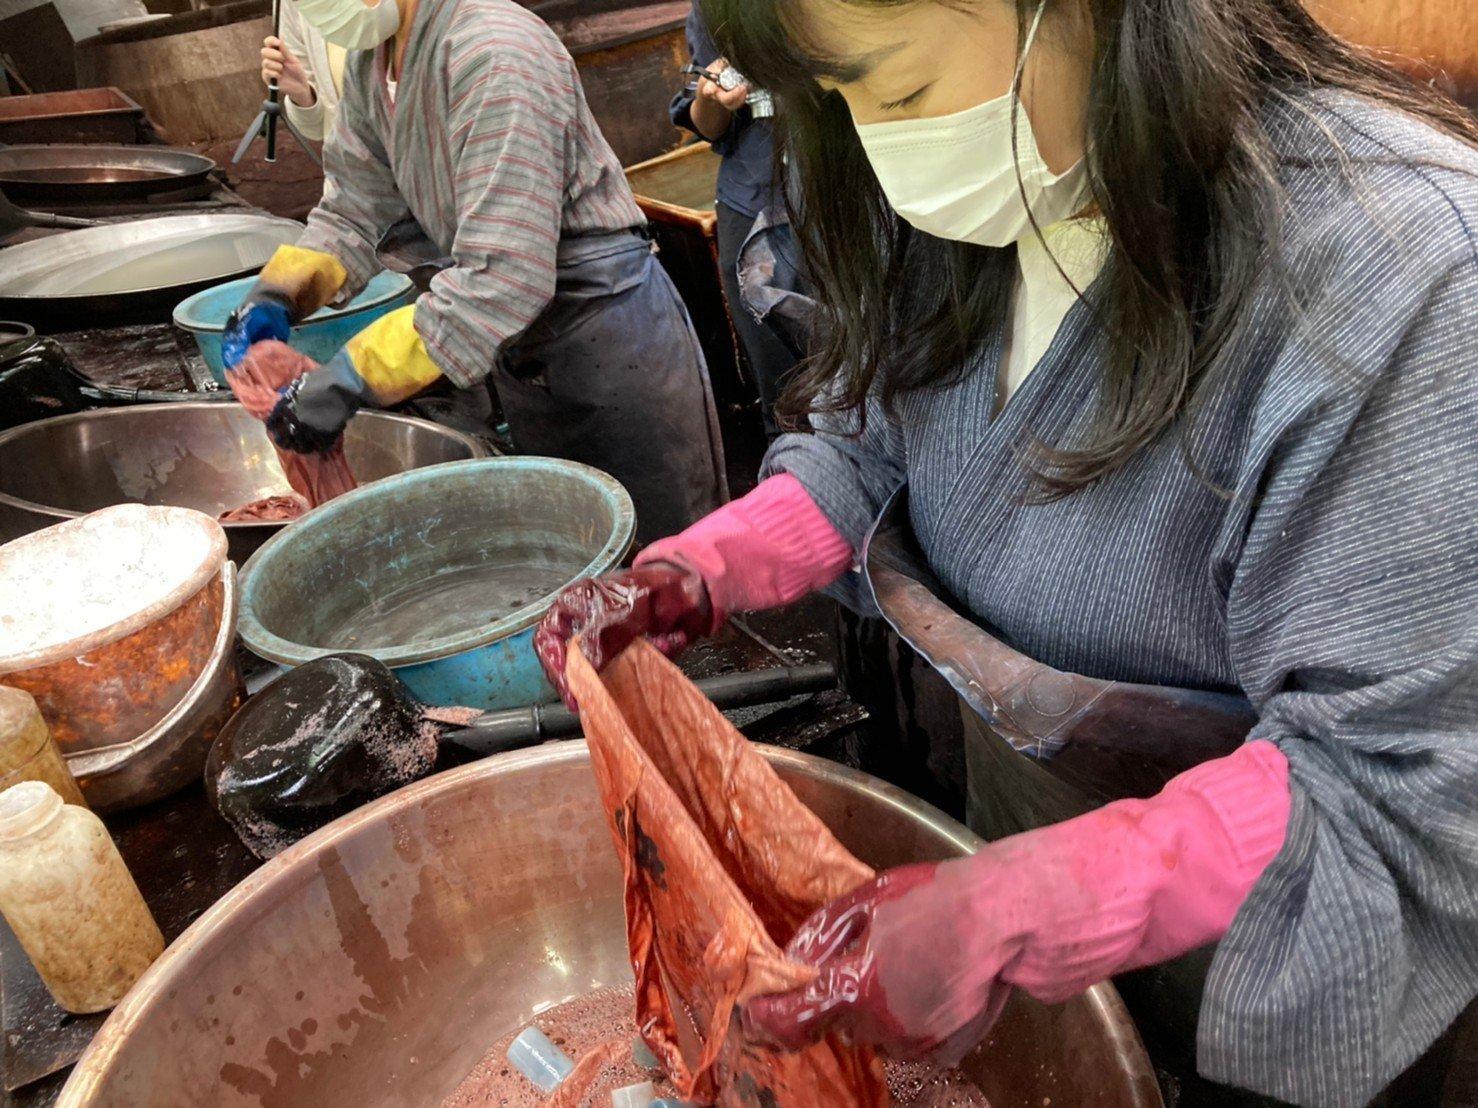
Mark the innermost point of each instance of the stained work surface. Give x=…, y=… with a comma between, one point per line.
x=139, y=356
x=722, y=863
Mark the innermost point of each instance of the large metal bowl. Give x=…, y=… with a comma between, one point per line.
x=133, y=272
x=375, y=962
x=211, y=457
x=84, y=173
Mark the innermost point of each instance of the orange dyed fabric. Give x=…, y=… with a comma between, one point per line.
x=268, y=367
x=722, y=864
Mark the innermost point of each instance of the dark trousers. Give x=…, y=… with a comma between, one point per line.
x=768, y=360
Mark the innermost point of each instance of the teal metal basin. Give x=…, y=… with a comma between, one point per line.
x=441, y=573
x=319, y=336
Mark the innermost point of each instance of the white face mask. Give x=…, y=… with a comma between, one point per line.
x=955, y=176
x=348, y=23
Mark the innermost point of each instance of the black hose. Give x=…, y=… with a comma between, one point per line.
x=497, y=732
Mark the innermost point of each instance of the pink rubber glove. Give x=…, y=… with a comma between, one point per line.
x=921, y=961
x=765, y=550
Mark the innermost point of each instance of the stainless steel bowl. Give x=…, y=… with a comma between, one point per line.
x=376, y=961
x=211, y=457
x=171, y=754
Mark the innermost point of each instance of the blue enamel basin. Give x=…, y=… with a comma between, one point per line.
x=319, y=336
x=441, y=573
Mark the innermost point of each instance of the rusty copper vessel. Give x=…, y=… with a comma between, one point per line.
x=376, y=962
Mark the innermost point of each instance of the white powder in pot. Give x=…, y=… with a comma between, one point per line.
x=111, y=572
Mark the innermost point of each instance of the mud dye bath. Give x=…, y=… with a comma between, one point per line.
x=598, y=1029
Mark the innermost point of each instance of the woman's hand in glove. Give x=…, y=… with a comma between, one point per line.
x=921, y=961
x=659, y=601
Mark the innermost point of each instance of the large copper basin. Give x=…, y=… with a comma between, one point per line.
x=375, y=962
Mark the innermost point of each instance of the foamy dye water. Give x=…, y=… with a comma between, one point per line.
x=605, y=1022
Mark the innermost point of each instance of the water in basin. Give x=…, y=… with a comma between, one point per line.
x=450, y=603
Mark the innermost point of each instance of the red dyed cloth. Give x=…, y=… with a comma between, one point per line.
x=722, y=864
x=269, y=367
x=269, y=509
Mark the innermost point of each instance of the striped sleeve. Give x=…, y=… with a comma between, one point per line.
x=312, y=122
x=1353, y=623
x=512, y=112
x=850, y=467
x=361, y=200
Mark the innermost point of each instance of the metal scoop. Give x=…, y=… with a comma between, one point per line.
x=13, y=218
x=340, y=731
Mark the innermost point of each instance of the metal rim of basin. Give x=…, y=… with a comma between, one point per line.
x=91, y=1072
x=29, y=260
x=184, y=310
x=284, y=651
x=475, y=448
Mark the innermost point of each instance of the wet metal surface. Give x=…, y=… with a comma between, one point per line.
x=185, y=857
x=139, y=356
x=379, y=955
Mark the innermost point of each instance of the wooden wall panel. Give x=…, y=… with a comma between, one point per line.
x=1425, y=35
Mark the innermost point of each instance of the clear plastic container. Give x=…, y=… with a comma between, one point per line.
x=27, y=750
x=540, y=1060
x=71, y=901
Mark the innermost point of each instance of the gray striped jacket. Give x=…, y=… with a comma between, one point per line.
x=491, y=148
x=1337, y=588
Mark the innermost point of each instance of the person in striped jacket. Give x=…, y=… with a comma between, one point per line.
x=464, y=148
x=1142, y=407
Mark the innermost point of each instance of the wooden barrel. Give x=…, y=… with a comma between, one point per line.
x=197, y=74
x=630, y=54
x=1426, y=37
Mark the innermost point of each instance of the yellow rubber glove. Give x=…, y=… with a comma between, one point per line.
x=392, y=359
x=383, y=365
x=305, y=279
x=293, y=285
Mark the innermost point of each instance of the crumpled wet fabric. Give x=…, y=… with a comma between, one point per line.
x=269, y=509
x=269, y=367
x=722, y=864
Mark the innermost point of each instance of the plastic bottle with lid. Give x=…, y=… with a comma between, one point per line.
x=27, y=750
x=71, y=901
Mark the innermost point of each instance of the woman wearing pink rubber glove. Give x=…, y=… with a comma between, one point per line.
x=1146, y=360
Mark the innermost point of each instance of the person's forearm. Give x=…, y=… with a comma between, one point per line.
x=711, y=119
x=765, y=550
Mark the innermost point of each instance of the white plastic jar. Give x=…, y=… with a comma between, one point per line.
x=71, y=901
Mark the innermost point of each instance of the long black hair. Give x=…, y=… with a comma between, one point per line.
x=1180, y=164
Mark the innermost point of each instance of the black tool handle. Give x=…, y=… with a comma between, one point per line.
x=272, y=91
x=497, y=732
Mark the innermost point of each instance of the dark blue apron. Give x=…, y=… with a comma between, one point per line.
x=611, y=374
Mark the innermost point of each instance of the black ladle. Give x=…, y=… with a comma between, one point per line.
x=340, y=731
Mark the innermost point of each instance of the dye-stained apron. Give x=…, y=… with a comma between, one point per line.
x=611, y=374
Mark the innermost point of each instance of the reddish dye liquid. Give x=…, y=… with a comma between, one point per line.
x=589, y=1023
